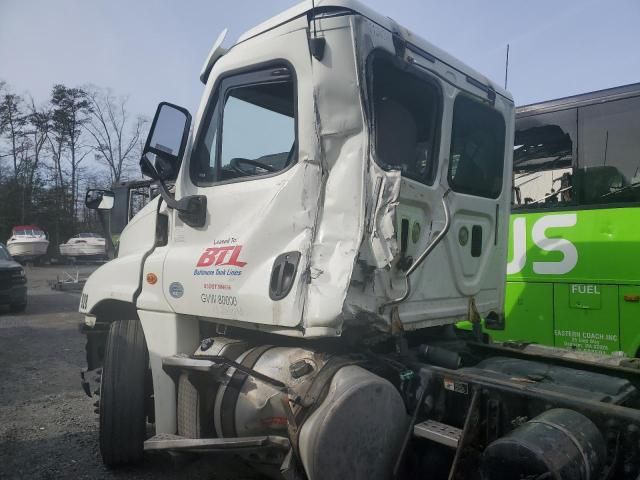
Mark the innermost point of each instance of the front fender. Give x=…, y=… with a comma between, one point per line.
x=117, y=280
x=121, y=278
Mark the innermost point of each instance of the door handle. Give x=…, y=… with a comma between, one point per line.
x=476, y=241
x=283, y=274
x=632, y=298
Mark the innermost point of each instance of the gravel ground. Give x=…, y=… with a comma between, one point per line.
x=48, y=428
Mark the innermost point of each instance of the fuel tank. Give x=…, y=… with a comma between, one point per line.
x=559, y=444
x=350, y=421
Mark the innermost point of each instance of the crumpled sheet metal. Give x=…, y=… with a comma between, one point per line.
x=380, y=246
x=343, y=142
x=382, y=230
x=357, y=216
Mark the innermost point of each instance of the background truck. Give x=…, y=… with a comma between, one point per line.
x=341, y=201
x=128, y=199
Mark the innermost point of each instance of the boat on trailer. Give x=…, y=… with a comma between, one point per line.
x=84, y=246
x=27, y=243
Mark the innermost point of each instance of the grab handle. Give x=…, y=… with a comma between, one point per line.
x=422, y=257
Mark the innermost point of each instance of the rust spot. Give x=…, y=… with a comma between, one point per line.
x=273, y=421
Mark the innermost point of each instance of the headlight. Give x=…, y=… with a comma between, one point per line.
x=19, y=275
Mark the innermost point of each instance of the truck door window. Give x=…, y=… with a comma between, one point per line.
x=258, y=130
x=253, y=133
x=406, y=113
x=477, y=149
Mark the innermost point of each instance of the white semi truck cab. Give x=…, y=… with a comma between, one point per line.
x=338, y=203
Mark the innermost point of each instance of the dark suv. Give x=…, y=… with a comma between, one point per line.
x=13, y=282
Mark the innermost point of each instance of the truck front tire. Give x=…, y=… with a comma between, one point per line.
x=122, y=394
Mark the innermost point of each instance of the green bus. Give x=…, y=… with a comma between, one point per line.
x=573, y=277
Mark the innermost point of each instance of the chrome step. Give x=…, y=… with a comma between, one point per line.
x=438, y=432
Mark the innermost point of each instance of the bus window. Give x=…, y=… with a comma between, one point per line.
x=543, y=160
x=609, y=146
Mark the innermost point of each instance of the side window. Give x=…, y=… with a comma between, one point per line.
x=543, y=160
x=253, y=133
x=406, y=113
x=609, y=152
x=258, y=130
x=477, y=149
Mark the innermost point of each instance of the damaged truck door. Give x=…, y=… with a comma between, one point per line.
x=434, y=133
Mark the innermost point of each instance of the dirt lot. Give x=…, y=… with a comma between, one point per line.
x=48, y=428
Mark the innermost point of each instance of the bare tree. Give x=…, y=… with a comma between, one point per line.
x=43, y=150
x=36, y=136
x=12, y=122
x=25, y=129
x=40, y=122
x=3, y=120
x=3, y=125
x=116, y=136
x=70, y=113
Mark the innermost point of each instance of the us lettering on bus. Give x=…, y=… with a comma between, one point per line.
x=540, y=239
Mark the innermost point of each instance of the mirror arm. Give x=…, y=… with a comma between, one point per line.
x=167, y=196
x=192, y=210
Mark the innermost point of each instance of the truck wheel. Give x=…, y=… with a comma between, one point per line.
x=122, y=394
x=195, y=409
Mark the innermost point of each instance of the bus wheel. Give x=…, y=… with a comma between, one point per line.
x=122, y=394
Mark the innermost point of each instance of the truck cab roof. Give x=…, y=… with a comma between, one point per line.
x=347, y=7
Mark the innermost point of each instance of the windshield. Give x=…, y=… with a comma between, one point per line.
x=4, y=254
x=29, y=232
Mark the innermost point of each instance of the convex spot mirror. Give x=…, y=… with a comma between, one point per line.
x=166, y=141
x=99, y=199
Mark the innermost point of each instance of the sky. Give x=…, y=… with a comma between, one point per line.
x=153, y=50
